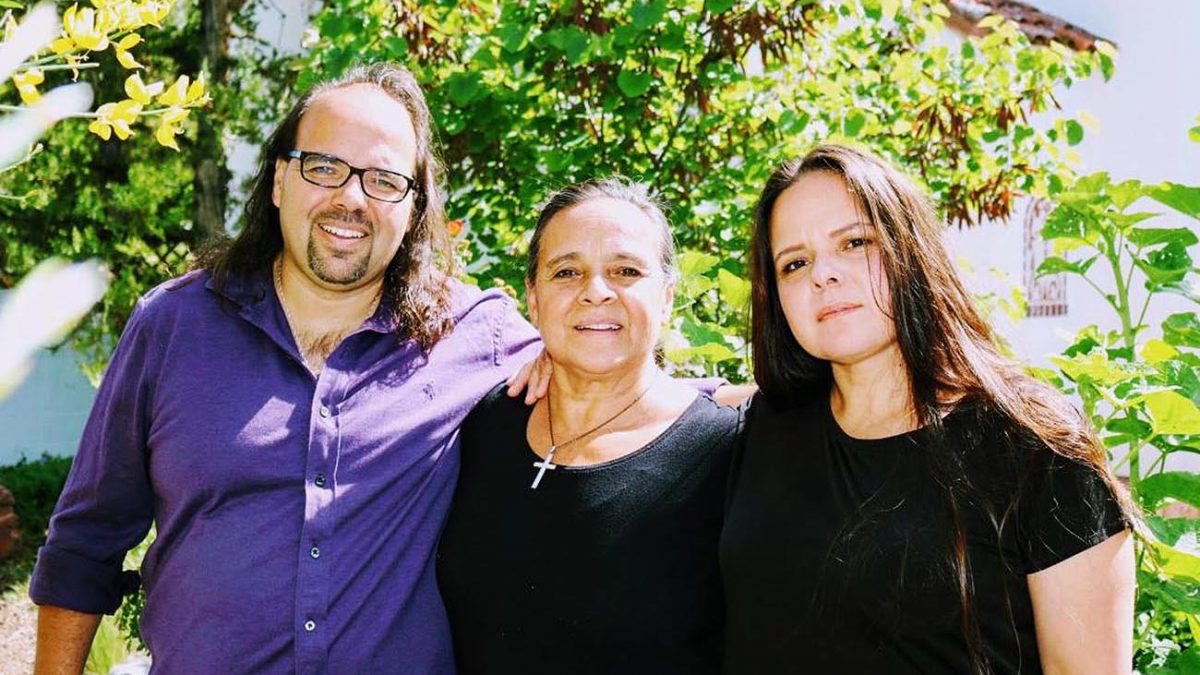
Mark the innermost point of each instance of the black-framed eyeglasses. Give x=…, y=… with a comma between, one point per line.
x=331, y=172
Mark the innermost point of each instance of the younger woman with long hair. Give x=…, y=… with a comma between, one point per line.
x=906, y=500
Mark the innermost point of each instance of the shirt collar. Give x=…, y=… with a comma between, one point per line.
x=254, y=292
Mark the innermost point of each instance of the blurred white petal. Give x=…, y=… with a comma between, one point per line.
x=36, y=30
x=19, y=130
x=42, y=309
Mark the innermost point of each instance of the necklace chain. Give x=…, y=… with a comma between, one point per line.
x=548, y=463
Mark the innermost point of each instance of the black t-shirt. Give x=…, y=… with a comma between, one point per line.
x=835, y=551
x=610, y=568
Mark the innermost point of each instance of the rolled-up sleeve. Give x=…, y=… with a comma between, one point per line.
x=106, y=506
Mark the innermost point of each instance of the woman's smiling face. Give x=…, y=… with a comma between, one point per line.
x=600, y=297
x=829, y=273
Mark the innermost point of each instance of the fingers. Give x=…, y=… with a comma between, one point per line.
x=520, y=379
x=539, y=379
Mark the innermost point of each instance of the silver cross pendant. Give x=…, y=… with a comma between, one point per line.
x=547, y=463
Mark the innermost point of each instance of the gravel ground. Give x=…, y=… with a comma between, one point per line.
x=18, y=628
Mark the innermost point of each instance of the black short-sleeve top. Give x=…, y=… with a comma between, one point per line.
x=610, y=568
x=835, y=553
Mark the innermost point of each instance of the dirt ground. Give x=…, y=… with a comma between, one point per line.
x=18, y=626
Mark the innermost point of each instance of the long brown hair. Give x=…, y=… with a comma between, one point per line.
x=949, y=352
x=414, y=288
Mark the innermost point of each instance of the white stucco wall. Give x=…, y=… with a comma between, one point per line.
x=1144, y=113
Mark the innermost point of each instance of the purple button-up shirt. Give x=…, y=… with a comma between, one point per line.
x=297, y=517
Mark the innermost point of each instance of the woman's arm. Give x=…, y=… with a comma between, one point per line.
x=1083, y=610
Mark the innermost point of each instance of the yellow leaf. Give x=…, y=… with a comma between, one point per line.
x=1088, y=120
x=1107, y=49
x=990, y=21
x=1172, y=413
x=1157, y=351
x=939, y=9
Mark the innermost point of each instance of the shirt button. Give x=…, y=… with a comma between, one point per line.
x=314, y=552
x=324, y=411
x=319, y=481
x=310, y=625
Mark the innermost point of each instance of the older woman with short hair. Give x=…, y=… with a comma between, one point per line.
x=583, y=535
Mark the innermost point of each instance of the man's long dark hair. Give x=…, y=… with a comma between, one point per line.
x=414, y=286
x=949, y=352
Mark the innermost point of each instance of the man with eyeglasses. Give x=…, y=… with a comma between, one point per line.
x=287, y=417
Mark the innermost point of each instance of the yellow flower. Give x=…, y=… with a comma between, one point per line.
x=186, y=94
x=115, y=118
x=86, y=27
x=27, y=83
x=169, y=128
x=122, y=51
x=140, y=91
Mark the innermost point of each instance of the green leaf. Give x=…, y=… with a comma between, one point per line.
x=1058, y=265
x=1183, y=486
x=464, y=88
x=854, y=123
x=1182, y=329
x=647, y=15
x=693, y=263
x=1172, y=414
x=1168, y=264
x=1074, y=132
x=735, y=291
x=1182, y=198
x=1148, y=236
x=633, y=84
x=719, y=6
x=513, y=35
x=1186, y=661
x=1125, y=193
x=1171, y=530
x=1194, y=134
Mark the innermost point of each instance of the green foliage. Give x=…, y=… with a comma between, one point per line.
x=128, y=203
x=129, y=616
x=1141, y=392
x=702, y=99
x=35, y=486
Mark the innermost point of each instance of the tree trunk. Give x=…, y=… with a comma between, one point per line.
x=211, y=179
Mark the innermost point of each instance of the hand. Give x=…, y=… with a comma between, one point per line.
x=533, y=378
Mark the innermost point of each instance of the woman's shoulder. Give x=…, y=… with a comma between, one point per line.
x=498, y=408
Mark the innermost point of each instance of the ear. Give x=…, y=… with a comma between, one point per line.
x=668, y=302
x=531, y=302
x=281, y=166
